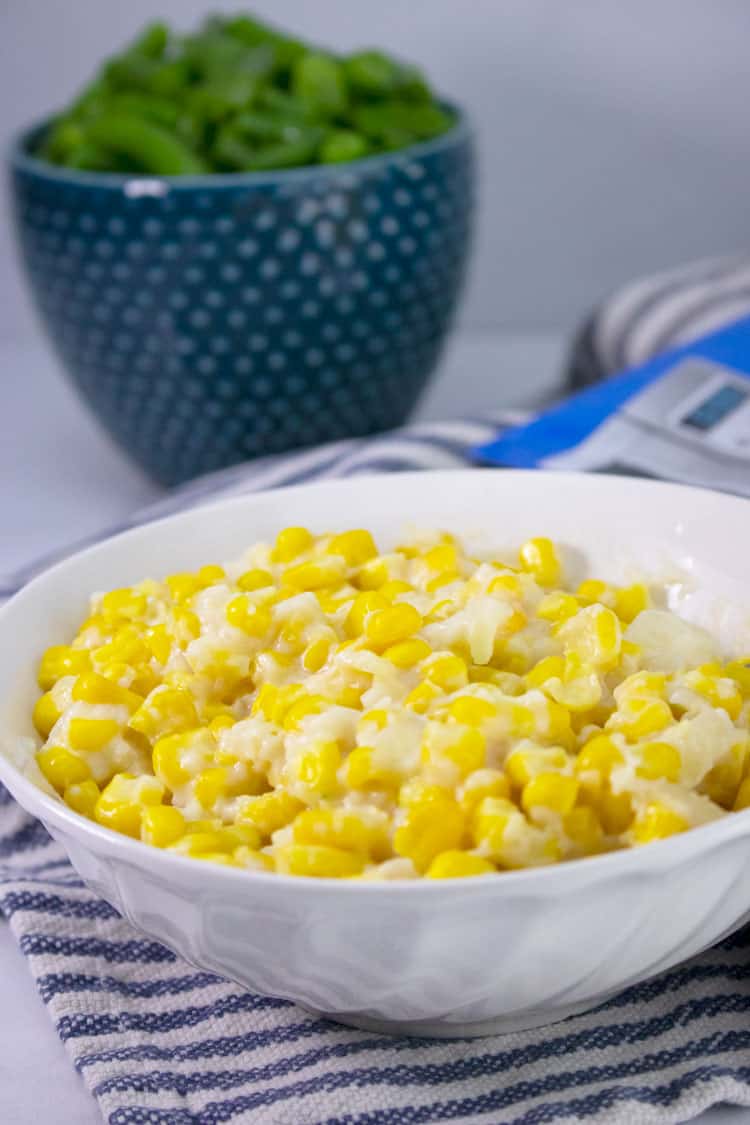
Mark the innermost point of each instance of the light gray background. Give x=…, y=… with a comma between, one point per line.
x=613, y=133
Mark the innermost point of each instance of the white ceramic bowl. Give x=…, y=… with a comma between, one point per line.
x=455, y=957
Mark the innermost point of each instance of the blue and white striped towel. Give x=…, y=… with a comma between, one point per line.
x=158, y=1041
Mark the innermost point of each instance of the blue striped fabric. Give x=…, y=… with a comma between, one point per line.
x=158, y=1041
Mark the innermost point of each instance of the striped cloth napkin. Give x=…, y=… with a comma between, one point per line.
x=158, y=1041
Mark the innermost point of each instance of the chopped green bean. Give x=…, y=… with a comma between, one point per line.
x=148, y=145
x=371, y=73
x=341, y=146
x=319, y=81
x=239, y=95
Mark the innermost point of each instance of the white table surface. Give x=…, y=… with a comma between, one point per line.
x=61, y=479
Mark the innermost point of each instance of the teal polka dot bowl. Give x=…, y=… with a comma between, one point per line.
x=214, y=319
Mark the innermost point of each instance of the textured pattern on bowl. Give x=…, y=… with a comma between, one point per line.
x=210, y=320
x=444, y=958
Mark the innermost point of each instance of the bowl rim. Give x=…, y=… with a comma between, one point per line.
x=19, y=159
x=659, y=854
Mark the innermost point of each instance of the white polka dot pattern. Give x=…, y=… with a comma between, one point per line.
x=209, y=326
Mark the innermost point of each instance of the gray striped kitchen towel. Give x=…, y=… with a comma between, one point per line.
x=656, y=313
x=158, y=1041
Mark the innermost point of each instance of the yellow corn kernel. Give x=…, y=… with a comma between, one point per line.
x=59, y=661
x=372, y=574
x=311, y=861
x=91, y=734
x=316, y=575
x=62, y=767
x=167, y=759
x=641, y=684
x=446, y=670
x=657, y=822
x=186, y=625
x=739, y=671
x=594, y=635
x=92, y=688
x=442, y=558
x=363, y=605
x=315, y=655
x=552, y=791
x=254, y=579
x=345, y=829
x=122, y=801
x=742, y=800
x=350, y=697
x=270, y=811
x=615, y=810
x=318, y=767
x=579, y=689
x=630, y=601
x=550, y=667
x=166, y=711
x=428, y=828
x=538, y=558
x=598, y=757
x=356, y=547
x=459, y=865
x=291, y=542
x=127, y=646
x=221, y=721
x=659, y=760
x=244, y=614
x=407, y=653
x=81, y=797
x=582, y=826
x=386, y=627
x=302, y=707
x=558, y=607
x=421, y=697
x=594, y=590
x=466, y=750
x=722, y=782
x=45, y=714
x=377, y=718
x=524, y=764
x=472, y=710
x=253, y=860
x=211, y=784
x=480, y=784
x=506, y=584
x=638, y=717
x=720, y=691
x=161, y=825
x=394, y=588
x=363, y=770
x=183, y=586
x=127, y=603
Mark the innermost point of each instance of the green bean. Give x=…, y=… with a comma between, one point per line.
x=169, y=79
x=252, y=33
x=151, y=147
x=152, y=41
x=90, y=157
x=341, y=146
x=153, y=108
x=319, y=81
x=222, y=95
x=285, y=154
x=240, y=94
x=371, y=73
x=231, y=152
